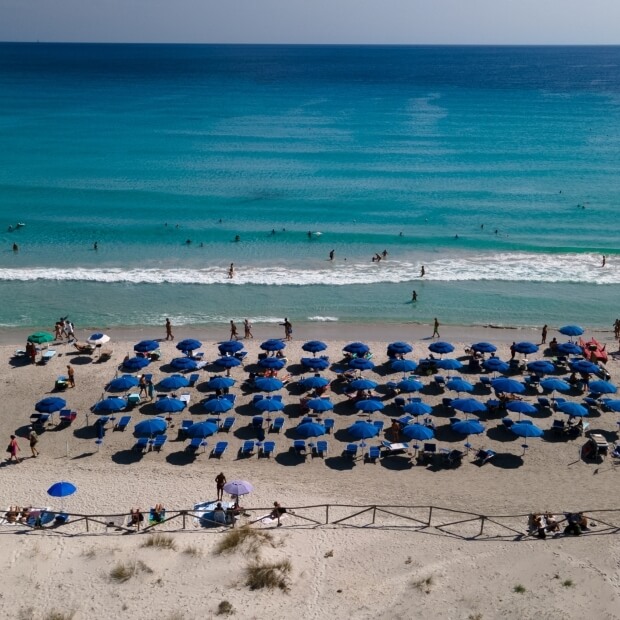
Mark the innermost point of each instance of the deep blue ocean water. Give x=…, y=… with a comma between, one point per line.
x=497, y=168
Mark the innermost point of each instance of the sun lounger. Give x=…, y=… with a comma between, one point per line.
x=351, y=450
x=185, y=424
x=230, y=397
x=193, y=378
x=440, y=381
x=267, y=449
x=485, y=380
x=39, y=517
x=378, y=424
x=404, y=420
x=392, y=449
x=240, y=355
x=399, y=401
x=428, y=451
x=484, y=456
x=159, y=442
x=105, y=355
x=306, y=420
x=227, y=424
x=247, y=449
x=557, y=402
x=374, y=453
x=257, y=421
x=508, y=422
x=219, y=449
x=122, y=424
x=257, y=397
x=277, y=424
x=141, y=444
x=299, y=446
x=67, y=416
x=328, y=423
x=453, y=458
x=558, y=427
x=447, y=403
x=48, y=355
x=320, y=449
x=40, y=419
x=195, y=444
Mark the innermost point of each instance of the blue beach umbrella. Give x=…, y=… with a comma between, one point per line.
x=150, y=427
x=361, y=363
x=468, y=427
x=417, y=408
x=310, y=429
x=122, y=383
x=369, y=406
x=526, y=430
x=362, y=430
x=460, y=385
x=313, y=383
x=227, y=362
x=602, y=387
x=584, y=366
x=268, y=384
x=98, y=338
x=112, y=404
x=362, y=384
x=173, y=382
x=183, y=364
x=50, y=404
x=272, y=363
x=525, y=347
x=136, y=363
x=571, y=330
x=552, y=384
x=417, y=432
x=484, y=347
x=569, y=348
x=409, y=385
x=614, y=405
x=403, y=365
x=400, y=348
x=573, y=409
x=494, y=364
x=356, y=348
x=449, y=364
x=269, y=405
x=273, y=344
x=219, y=383
x=62, y=489
x=507, y=386
x=314, y=363
x=319, y=405
x=541, y=367
x=441, y=347
x=217, y=405
x=521, y=406
x=189, y=344
x=314, y=346
x=229, y=347
x=170, y=405
x=200, y=430
x=146, y=346
x=468, y=405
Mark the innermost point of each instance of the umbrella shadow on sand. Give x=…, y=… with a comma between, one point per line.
x=127, y=457
x=340, y=463
x=290, y=458
x=397, y=463
x=506, y=460
x=86, y=432
x=502, y=434
x=180, y=458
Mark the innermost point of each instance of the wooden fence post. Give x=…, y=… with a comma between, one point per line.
x=430, y=515
x=482, y=519
x=326, y=514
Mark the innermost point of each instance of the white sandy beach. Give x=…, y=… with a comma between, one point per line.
x=368, y=571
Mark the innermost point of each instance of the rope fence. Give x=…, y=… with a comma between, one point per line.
x=434, y=520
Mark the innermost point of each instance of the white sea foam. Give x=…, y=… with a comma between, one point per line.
x=515, y=267
x=323, y=319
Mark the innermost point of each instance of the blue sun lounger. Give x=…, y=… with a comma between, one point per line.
x=277, y=425
x=483, y=456
x=227, y=425
x=247, y=449
x=141, y=445
x=195, y=444
x=185, y=424
x=268, y=448
x=122, y=424
x=374, y=453
x=159, y=442
x=299, y=446
x=193, y=378
x=220, y=448
x=328, y=423
x=351, y=450
x=321, y=448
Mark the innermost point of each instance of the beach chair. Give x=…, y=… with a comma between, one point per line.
x=247, y=449
x=453, y=458
x=454, y=420
x=532, y=381
x=257, y=421
x=195, y=444
x=219, y=449
x=544, y=403
x=374, y=453
x=40, y=419
x=154, y=519
x=240, y=355
x=306, y=420
x=328, y=423
x=404, y=420
x=185, y=424
x=141, y=445
x=378, y=424
x=193, y=378
x=428, y=422
x=299, y=446
x=485, y=381
x=159, y=442
x=484, y=456
x=230, y=397
x=277, y=425
x=428, y=451
x=440, y=381
x=557, y=402
x=508, y=422
x=321, y=448
x=105, y=355
x=447, y=403
x=227, y=424
x=393, y=449
x=257, y=397
x=67, y=416
x=399, y=401
x=122, y=424
x=267, y=449
x=351, y=450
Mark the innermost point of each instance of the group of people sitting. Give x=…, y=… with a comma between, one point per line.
x=156, y=515
x=547, y=523
x=16, y=514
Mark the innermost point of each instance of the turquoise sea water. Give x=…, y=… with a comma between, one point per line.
x=142, y=148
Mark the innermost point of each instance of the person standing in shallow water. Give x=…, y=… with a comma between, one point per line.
x=435, y=328
x=543, y=339
x=414, y=296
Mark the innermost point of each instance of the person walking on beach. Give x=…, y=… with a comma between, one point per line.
x=142, y=385
x=414, y=296
x=13, y=449
x=543, y=339
x=220, y=481
x=617, y=328
x=150, y=388
x=513, y=351
x=277, y=512
x=422, y=271
x=169, y=335
x=435, y=328
x=233, y=331
x=231, y=271
x=33, y=439
x=71, y=376
x=288, y=329
x=247, y=329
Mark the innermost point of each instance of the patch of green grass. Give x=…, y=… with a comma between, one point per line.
x=225, y=608
x=243, y=538
x=519, y=589
x=271, y=575
x=160, y=541
x=124, y=571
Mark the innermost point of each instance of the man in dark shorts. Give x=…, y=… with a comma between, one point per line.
x=220, y=481
x=169, y=335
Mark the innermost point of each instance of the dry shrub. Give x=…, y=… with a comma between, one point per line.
x=125, y=571
x=424, y=585
x=225, y=608
x=270, y=575
x=160, y=541
x=243, y=538
x=192, y=550
x=54, y=614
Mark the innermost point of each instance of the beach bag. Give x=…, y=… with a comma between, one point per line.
x=9, y=448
